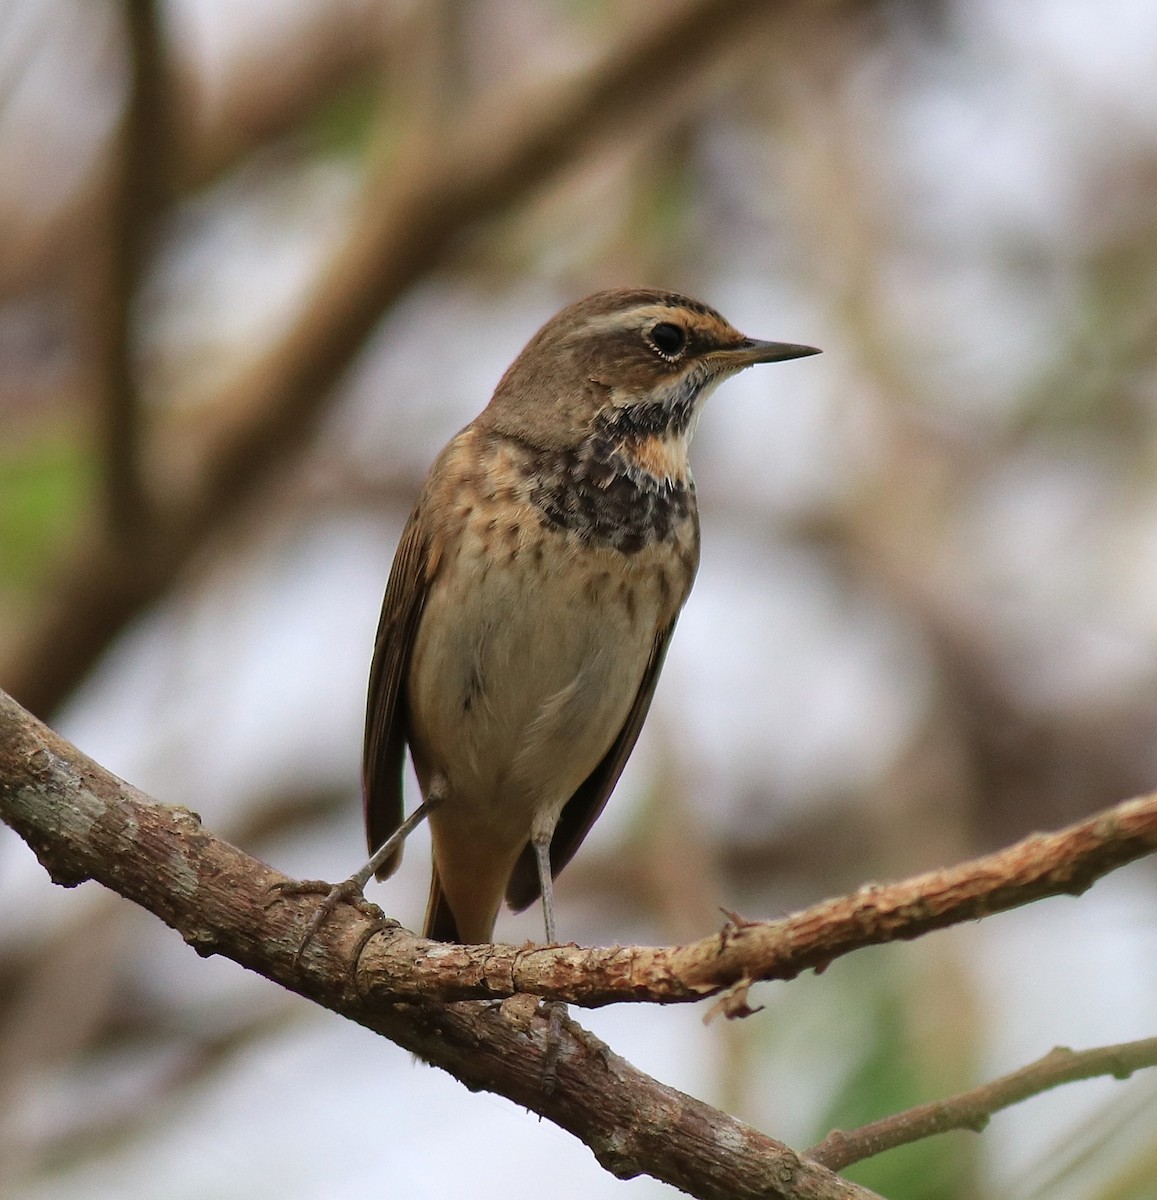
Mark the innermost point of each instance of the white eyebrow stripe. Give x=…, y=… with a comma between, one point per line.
x=627, y=320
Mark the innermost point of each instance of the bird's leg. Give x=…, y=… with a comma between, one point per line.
x=351, y=889
x=555, y=1009
x=546, y=884
x=358, y=881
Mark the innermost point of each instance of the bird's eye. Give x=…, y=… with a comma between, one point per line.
x=668, y=339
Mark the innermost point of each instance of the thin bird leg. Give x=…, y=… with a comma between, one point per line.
x=546, y=885
x=359, y=880
x=555, y=1009
x=352, y=889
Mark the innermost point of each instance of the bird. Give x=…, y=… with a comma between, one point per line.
x=532, y=599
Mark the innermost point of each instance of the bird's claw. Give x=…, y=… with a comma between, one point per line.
x=555, y=1011
x=349, y=891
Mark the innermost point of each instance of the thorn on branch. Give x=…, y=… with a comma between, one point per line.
x=732, y=929
x=732, y=1003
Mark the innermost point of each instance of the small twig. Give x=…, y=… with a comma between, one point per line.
x=972, y=1109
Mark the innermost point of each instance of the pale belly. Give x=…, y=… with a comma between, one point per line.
x=524, y=670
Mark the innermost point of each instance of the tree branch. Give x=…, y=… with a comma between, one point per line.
x=84, y=823
x=743, y=952
x=140, y=173
x=394, y=965
x=972, y=1109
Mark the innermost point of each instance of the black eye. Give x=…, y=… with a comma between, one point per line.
x=668, y=339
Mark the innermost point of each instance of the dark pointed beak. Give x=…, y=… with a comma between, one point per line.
x=751, y=351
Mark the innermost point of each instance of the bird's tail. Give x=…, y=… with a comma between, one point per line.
x=440, y=925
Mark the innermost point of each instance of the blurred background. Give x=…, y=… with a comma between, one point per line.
x=259, y=262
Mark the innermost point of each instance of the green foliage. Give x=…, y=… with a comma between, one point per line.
x=347, y=123
x=45, y=481
x=888, y=1078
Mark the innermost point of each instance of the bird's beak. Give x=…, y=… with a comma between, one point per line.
x=751, y=351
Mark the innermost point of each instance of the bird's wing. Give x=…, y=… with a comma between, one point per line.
x=385, y=739
x=584, y=807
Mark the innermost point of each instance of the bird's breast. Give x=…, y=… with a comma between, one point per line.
x=540, y=623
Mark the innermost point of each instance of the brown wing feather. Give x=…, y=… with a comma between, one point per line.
x=385, y=739
x=584, y=807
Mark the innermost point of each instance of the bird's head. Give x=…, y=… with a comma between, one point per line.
x=639, y=362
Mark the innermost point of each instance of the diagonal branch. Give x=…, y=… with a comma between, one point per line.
x=84, y=823
x=972, y=1109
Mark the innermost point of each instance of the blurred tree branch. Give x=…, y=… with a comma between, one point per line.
x=218, y=126
x=139, y=186
x=84, y=823
x=411, y=213
x=45, y=1022
x=972, y=1109
x=1011, y=760
x=215, y=123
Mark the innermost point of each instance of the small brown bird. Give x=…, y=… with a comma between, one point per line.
x=532, y=598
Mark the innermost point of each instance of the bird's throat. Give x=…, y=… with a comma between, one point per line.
x=621, y=492
x=655, y=462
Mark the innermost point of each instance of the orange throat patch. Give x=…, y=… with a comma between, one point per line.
x=663, y=458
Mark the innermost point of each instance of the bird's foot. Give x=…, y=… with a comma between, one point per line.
x=349, y=891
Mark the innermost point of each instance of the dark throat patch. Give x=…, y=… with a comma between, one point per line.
x=598, y=493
